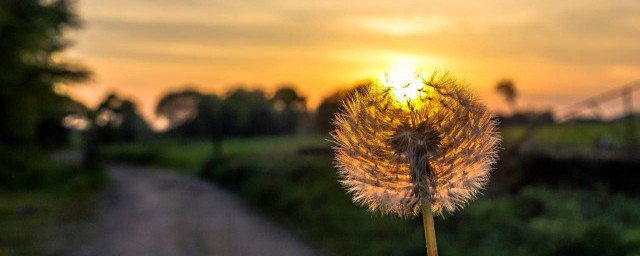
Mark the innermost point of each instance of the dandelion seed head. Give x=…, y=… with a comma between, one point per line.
x=401, y=144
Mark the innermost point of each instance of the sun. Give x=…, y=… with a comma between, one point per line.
x=405, y=83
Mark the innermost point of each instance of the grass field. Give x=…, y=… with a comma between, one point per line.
x=580, y=136
x=292, y=180
x=188, y=156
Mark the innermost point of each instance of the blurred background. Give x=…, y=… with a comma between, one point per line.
x=193, y=127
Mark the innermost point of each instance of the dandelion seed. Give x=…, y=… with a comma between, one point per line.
x=429, y=145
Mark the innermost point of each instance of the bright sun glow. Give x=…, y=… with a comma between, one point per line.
x=405, y=82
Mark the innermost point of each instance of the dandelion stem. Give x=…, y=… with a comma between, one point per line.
x=429, y=228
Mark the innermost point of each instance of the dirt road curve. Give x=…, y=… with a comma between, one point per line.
x=150, y=212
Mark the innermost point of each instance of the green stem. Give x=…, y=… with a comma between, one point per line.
x=429, y=229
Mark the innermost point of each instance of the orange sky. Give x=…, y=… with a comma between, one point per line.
x=557, y=52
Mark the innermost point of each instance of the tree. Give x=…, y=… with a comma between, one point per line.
x=117, y=120
x=331, y=105
x=290, y=109
x=209, y=122
x=32, y=33
x=247, y=113
x=178, y=107
x=507, y=88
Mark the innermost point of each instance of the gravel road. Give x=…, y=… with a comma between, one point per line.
x=155, y=212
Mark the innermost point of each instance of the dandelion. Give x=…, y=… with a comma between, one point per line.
x=411, y=143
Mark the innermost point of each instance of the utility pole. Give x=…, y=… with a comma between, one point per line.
x=595, y=109
x=627, y=101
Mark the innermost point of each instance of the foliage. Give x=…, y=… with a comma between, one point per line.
x=192, y=114
x=32, y=35
x=331, y=105
x=539, y=221
x=178, y=107
x=117, y=120
x=290, y=109
x=31, y=111
x=507, y=88
x=250, y=113
x=209, y=118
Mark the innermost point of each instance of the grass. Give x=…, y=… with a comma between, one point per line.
x=575, y=135
x=292, y=180
x=188, y=156
x=28, y=214
x=28, y=217
x=22, y=216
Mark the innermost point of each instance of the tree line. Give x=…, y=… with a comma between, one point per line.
x=192, y=114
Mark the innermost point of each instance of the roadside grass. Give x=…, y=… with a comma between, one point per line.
x=23, y=214
x=27, y=215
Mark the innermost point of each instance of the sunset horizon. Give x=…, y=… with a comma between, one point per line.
x=145, y=49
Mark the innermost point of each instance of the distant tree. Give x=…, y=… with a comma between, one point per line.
x=178, y=107
x=331, y=105
x=209, y=121
x=133, y=125
x=507, y=88
x=118, y=120
x=247, y=113
x=290, y=109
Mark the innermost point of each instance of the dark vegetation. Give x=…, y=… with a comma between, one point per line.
x=30, y=110
x=36, y=192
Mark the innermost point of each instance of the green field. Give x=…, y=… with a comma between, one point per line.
x=292, y=179
x=575, y=136
x=188, y=156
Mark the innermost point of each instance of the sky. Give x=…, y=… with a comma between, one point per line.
x=556, y=52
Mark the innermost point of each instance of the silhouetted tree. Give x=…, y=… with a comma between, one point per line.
x=31, y=33
x=331, y=105
x=209, y=121
x=178, y=107
x=290, y=109
x=118, y=120
x=247, y=113
x=50, y=131
x=507, y=88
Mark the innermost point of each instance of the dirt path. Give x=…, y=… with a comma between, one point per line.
x=151, y=212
